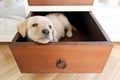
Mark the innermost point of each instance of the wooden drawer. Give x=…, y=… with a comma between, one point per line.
x=86, y=52
x=59, y=2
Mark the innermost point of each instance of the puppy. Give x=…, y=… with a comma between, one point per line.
x=44, y=29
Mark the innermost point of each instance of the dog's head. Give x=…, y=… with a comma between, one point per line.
x=37, y=28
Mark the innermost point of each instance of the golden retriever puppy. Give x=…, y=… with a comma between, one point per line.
x=44, y=29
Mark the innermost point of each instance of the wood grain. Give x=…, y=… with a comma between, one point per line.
x=59, y=2
x=9, y=69
x=78, y=58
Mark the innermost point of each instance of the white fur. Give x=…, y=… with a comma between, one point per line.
x=58, y=21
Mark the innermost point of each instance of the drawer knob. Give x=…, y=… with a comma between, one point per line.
x=61, y=64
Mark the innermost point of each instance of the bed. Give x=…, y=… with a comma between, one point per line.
x=11, y=13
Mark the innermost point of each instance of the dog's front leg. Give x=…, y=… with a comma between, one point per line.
x=69, y=31
x=54, y=40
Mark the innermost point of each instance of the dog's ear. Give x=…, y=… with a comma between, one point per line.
x=22, y=28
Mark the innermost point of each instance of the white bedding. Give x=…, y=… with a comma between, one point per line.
x=10, y=16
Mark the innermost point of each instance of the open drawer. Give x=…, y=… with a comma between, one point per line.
x=86, y=52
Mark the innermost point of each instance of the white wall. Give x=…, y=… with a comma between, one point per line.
x=111, y=2
x=108, y=15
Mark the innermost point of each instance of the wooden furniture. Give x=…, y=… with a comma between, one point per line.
x=59, y=2
x=86, y=52
x=58, y=5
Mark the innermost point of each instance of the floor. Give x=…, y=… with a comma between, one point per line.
x=10, y=71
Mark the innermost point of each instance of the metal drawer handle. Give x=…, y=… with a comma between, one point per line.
x=61, y=64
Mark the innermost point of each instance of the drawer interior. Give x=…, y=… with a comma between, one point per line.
x=88, y=29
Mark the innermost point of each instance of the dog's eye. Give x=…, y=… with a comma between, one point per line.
x=50, y=26
x=35, y=25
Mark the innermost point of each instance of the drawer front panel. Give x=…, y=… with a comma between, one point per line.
x=78, y=58
x=59, y=2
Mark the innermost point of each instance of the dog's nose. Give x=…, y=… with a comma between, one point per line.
x=45, y=31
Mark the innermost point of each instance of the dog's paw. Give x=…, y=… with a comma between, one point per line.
x=42, y=41
x=56, y=40
x=69, y=34
x=63, y=35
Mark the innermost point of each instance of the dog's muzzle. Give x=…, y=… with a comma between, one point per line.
x=45, y=34
x=45, y=31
